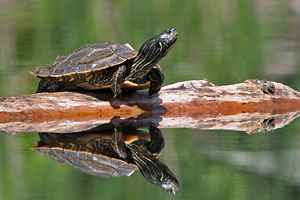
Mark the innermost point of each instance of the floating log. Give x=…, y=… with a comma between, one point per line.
x=190, y=104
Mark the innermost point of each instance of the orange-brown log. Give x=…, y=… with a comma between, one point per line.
x=191, y=99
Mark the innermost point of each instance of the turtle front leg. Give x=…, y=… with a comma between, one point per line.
x=117, y=79
x=156, y=78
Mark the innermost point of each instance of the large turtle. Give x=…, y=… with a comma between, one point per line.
x=95, y=153
x=108, y=65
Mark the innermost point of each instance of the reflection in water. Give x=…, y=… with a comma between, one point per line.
x=105, y=151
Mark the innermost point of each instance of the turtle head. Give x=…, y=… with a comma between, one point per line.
x=160, y=44
x=158, y=47
x=170, y=185
x=153, y=170
x=151, y=52
x=159, y=174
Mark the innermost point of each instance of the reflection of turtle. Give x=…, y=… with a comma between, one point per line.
x=94, y=154
x=108, y=65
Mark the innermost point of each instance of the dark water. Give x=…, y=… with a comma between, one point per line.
x=223, y=41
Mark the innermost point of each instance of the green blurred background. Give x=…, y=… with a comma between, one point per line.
x=225, y=41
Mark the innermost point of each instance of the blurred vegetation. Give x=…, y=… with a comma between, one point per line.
x=224, y=41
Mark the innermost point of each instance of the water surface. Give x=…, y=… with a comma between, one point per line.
x=223, y=41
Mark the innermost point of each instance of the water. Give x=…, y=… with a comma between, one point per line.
x=224, y=41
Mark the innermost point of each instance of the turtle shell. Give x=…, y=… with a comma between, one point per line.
x=91, y=163
x=88, y=58
x=82, y=65
x=89, y=153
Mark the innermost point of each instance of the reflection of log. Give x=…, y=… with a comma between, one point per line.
x=177, y=103
x=247, y=122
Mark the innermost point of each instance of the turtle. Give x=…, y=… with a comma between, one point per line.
x=108, y=65
x=97, y=154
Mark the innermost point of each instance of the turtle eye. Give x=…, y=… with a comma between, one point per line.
x=170, y=30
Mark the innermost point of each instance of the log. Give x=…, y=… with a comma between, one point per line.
x=251, y=106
